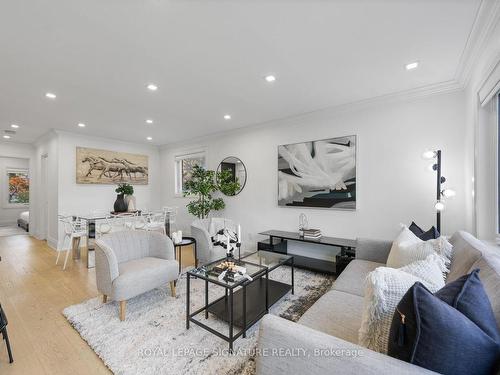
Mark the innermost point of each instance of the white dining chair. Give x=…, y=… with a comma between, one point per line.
x=171, y=213
x=103, y=226
x=74, y=229
x=156, y=222
x=141, y=221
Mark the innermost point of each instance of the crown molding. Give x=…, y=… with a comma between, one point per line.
x=406, y=95
x=97, y=138
x=487, y=17
x=45, y=137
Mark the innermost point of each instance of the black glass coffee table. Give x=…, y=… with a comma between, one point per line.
x=244, y=301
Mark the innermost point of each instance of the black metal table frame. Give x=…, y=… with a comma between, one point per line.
x=190, y=317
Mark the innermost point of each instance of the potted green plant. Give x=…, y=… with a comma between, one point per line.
x=203, y=185
x=124, y=199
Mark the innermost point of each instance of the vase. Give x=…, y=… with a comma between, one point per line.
x=131, y=203
x=120, y=205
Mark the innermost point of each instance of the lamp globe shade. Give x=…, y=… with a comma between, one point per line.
x=439, y=206
x=449, y=193
x=429, y=154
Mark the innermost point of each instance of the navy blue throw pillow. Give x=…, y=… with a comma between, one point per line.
x=431, y=234
x=451, y=332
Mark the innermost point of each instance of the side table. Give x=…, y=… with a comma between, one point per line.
x=186, y=241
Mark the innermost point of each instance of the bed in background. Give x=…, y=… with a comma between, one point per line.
x=24, y=221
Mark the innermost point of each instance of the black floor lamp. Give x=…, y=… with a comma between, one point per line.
x=440, y=179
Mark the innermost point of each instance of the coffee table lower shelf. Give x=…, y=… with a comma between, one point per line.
x=256, y=302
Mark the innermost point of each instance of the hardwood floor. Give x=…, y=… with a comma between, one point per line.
x=33, y=292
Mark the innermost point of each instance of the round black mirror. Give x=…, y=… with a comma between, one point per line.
x=231, y=176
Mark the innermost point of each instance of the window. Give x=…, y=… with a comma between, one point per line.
x=183, y=169
x=19, y=187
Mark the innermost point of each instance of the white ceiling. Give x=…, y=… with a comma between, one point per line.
x=209, y=58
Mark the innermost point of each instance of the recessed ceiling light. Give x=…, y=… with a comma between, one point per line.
x=81, y=125
x=6, y=136
x=227, y=117
x=51, y=95
x=270, y=78
x=149, y=121
x=14, y=126
x=149, y=138
x=152, y=87
x=412, y=65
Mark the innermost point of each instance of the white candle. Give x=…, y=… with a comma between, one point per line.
x=228, y=244
x=239, y=233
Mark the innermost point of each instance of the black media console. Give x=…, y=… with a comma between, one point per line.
x=278, y=242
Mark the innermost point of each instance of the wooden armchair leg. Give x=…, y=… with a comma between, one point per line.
x=123, y=305
x=172, y=288
x=104, y=298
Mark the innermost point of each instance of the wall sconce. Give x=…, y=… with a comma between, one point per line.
x=440, y=194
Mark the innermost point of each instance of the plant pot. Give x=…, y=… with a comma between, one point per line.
x=120, y=204
x=131, y=204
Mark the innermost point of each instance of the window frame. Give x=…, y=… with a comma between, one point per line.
x=6, y=203
x=178, y=159
x=497, y=169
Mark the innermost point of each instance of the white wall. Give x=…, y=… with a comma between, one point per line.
x=81, y=199
x=21, y=151
x=46, y=227
x=481, y=135
x=8, y=213
x=394, y=184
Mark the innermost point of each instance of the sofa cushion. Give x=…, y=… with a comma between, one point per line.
x=489, y=266
x=431, y=234
x=385, y=287
x=405, y=238
x=352, y=279
x=336, y=313
x=466, y=250
x=407, y=253
x=141, y=275
x=426, y=329
x=372, y=250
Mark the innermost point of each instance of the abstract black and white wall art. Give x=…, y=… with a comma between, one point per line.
x=318, y=174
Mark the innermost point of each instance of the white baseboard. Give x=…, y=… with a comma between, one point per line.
x=53, y=243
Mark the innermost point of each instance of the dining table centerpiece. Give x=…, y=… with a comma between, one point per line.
x=125, y=200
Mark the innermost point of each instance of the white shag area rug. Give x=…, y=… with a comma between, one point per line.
x=153, y=339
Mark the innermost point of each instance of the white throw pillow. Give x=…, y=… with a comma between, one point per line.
x=384, y=288
x=405, y=253
x=405, y=238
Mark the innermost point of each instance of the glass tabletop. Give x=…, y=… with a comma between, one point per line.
x=102, y=216
x=212, y=271
x=267, y=259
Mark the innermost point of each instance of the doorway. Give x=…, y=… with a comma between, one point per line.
x=15, y=196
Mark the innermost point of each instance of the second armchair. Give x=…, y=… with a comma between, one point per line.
x=130, y=263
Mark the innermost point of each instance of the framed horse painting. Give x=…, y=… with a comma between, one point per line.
x=95, y=166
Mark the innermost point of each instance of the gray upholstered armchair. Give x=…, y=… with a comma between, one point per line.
x=202, y=230
x=129, y=263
